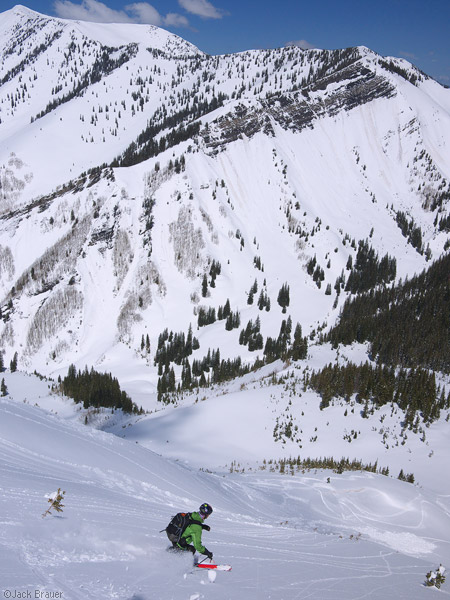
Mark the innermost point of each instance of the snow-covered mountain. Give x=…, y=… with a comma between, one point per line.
x=259, y=161
x=133, y=166
x=153, y=197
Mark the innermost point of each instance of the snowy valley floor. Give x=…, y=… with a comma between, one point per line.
x=313, y=535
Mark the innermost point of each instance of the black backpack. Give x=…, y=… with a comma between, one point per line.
x=177, y=526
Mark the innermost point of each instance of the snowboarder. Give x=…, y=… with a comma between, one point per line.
x=190, y=538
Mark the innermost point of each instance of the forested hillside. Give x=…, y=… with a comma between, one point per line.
x=407, y=324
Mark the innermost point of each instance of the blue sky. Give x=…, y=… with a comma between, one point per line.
x=412, y=29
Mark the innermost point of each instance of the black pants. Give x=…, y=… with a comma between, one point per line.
x=181, y=545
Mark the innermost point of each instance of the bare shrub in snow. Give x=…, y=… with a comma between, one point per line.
x=122, y=256
x=55, y=500
x=12, y=183
x=52, y=316
x=187, y=243
x=7, y=267
x=59, y=260
x=139, y=298
x=209, y=224
x=128, y=316
x=61, y=347
x=7, y=335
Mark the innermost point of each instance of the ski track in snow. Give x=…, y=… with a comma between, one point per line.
x=287, y=537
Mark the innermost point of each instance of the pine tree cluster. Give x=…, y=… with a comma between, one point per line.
x=96, y=389
x=233, y=320
x=224, y=311
x=390, y=65
x=297, y=464
x=209, y=370
x=104, y=65
x=251, y=336
x=444, y=223
x=412, y=390
x=212, y=369
x=281, y=347
x=316, y=271
x=215, y=269
x=407, y=324
x=206, y=316
x=409, y=477
x=264, y=301
x=174, y=347
x=368, y=271
x=149, y=143
x=145, y=343
x=410, y=231
x=258, y=264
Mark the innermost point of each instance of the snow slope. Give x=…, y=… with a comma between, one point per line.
x=286, y=536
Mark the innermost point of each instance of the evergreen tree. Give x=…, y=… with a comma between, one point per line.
x=3, y=388
x=13, y=363
x=299, y=350
x=189, y=342
x=252, y=292
x=205, y=286
x=226, y=309
x=186, y=375
x=283, y=297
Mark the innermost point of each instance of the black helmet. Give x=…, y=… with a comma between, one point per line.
x=205, y=510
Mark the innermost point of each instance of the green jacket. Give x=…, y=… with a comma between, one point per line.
x=193, y=533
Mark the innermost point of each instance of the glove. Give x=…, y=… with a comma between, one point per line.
x=207, y=527
x=208, y=554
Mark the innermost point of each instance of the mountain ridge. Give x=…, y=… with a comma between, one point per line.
x=134, y=171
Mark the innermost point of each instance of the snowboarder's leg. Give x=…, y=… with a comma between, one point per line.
x=185, y=546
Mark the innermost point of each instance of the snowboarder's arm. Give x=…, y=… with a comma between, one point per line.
x=196, y=534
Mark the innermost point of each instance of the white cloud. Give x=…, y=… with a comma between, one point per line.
x=303, y=44
x=98, y=12
x=175, y=20
x=202, y=8
x=408, y=55
x=145, y=13
x=90, y=10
